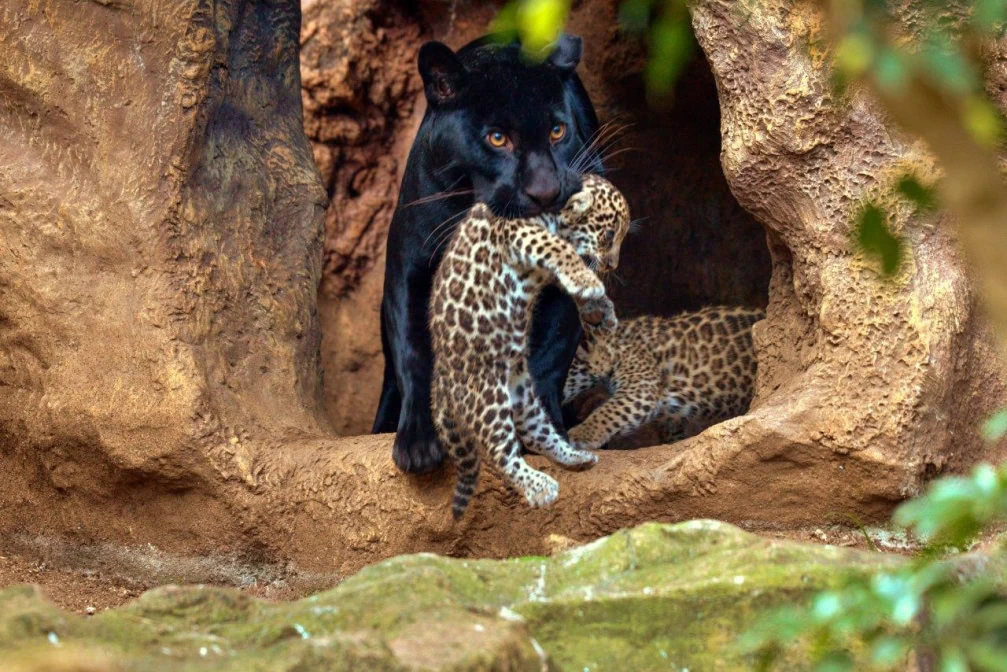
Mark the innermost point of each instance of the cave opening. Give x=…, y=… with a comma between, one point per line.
x=695, y=246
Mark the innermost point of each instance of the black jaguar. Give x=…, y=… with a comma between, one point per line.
x=501, y=129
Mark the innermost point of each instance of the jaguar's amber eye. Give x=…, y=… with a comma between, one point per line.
x=557, y=133
x=497, y=139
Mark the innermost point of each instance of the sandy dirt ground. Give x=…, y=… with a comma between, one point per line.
x=83, y=590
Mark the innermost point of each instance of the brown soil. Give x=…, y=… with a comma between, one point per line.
x=73, y=590
x=87, y=591
x=81, y=590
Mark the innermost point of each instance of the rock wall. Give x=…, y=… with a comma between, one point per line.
x=883, y=377
x=160, y=228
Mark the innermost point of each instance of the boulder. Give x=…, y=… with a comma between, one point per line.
x=653, y=597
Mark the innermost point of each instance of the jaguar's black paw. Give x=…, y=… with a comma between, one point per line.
x=416, y=449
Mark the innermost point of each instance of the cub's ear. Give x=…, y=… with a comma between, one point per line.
x=443, y=74
x=580, y=202
x=566, y=55
x=481, y=211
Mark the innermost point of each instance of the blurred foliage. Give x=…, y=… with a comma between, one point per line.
x=668, y=31
x=941, y=48
x=931, y=606
x=874, y=238
x=538, y=23
x=940, y=53
x=873, y=234
x=664, y=23
x=996, y=427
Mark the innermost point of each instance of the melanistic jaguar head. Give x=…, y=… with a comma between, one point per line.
x=511, y=128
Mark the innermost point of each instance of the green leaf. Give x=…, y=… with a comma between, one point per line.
x=671, y=45
x=953, y=660
x=888, y=651
x=989, y=657
x=891, y=71
x=505, y=26
x=875, y=238
x=634, y=15
x=826, y=606
x=923, y=197
x=989, y=13
x=537, y=22
x=995, y=428
x=949, y=66
x=854, y=55
x=982, y=121
x=541, y=22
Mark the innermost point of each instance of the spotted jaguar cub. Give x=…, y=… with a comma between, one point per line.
x=694, y=369
x=483, y=400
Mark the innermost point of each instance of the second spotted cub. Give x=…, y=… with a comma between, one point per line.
x=694, y=368
x=483, y=400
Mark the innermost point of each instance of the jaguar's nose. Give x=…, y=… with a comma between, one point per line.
x=543, y=191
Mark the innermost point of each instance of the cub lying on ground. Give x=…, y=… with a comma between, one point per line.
x=690, y=370
x=483, y=400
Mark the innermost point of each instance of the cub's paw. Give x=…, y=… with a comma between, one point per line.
x=598, y=315
x=589, y=292
x=416, y=449
x=541, y=489
x=584, y=459
x=569, y=456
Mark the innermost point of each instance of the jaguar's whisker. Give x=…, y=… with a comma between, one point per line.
x=605, y=133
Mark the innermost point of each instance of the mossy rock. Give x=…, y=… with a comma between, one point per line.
x=657, y=597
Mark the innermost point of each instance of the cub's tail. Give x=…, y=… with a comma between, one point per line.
x=468, y=476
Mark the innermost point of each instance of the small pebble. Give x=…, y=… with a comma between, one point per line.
x=90, y=611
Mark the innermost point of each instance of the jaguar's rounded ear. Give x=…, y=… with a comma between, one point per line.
x=443, y=74
x=580, y=202
x=566, y=54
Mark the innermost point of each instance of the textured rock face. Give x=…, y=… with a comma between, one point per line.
x=656, y=597
x=160, y=233
x=885, y=380
x=360, y=89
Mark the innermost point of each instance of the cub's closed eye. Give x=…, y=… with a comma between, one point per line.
x=557, y=133
x=497, y=139
x=608, y=236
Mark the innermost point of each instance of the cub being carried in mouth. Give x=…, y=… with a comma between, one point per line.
x=483, y=398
